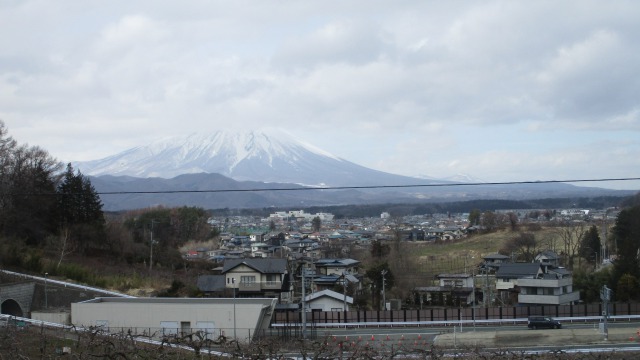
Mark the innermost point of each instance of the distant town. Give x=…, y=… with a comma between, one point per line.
x=270, y=256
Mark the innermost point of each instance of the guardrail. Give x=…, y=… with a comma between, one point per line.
x=66, y=284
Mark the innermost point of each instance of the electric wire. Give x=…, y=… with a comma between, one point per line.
x=364, y=186
x=316, y=188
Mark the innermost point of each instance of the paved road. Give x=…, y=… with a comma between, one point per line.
x=573, y=337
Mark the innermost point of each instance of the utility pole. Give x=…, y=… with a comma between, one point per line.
x=233, y=282
x=304, y=306
x=384, y=280
x=344, y=285
x=603, y=243
x=151, y=247
x=605, y=296
x=486, y=289
x=46, y=300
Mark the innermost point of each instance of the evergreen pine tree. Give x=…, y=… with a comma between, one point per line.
x=590, y=245
x=627, y=232
x=79, y=210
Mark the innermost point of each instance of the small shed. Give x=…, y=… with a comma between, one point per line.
x=328, y=300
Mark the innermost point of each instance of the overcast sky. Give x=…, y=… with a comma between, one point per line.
x=499, y=90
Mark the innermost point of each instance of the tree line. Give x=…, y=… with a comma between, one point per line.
x=49, y=210
x=39, y=200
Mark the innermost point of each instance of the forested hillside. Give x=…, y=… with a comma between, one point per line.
x=51, y=221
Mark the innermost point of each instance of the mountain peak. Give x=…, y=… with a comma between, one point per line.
x=268, y=155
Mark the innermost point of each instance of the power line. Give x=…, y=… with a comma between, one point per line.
x=335, y=187
x=364, y=187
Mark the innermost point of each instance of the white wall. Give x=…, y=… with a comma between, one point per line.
x=149, y=314
x=326, y=303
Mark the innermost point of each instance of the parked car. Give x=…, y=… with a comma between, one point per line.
x=537, y=322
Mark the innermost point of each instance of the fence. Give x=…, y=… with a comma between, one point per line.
x=453, y=314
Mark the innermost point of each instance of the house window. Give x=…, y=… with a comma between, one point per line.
x=247, y=279
x=272, y=279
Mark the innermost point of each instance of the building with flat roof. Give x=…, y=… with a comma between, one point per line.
x=242, y=319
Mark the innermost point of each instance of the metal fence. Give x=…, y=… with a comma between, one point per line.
x=453, y=314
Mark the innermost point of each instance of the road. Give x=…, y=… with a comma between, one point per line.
x=512, y=337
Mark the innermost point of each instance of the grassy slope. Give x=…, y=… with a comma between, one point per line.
x=458, y=256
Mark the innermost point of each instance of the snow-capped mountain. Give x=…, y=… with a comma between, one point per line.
x=457, y=178
x=266, y=156
x=239, y=165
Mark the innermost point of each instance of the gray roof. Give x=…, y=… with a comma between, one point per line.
x=326, y=279
x=336, y=262
x=262, y=265
x=333, y=278
x=518, y=270
x=328, y=293
x=560, y=271
x=548, y=254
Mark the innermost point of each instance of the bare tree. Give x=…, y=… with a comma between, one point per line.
x=550, y=242
x=513, y=221
x=65, y=244
x=489, y=221
x=524, y=244
x=570, y=234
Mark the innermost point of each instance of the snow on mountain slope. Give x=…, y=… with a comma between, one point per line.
x=458, y=178
x=266, y=156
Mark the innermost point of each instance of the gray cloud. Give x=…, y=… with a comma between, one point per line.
x=408, y=76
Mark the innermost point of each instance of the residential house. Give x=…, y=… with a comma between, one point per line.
x=508, y=274
x=324, y=282
x=417, y=235
x=452, y=289
x=300, y=245
x=549, y=257
x=337, y=266
x=257, y=277
x=536, y=283
x=328, y=300
x=555, y=287
x=257, y=236
x=492, y=262
x=259, y=249
x=440, y=234
x=456, y=231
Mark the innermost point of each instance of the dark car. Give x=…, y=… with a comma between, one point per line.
x=538, y=322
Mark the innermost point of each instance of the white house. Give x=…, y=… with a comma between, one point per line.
x=328, y=300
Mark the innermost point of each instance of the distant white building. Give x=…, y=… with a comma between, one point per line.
x=385, y=215
x=300, y=214
x=574, y=212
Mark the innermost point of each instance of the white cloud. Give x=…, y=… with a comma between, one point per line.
x=494, y=89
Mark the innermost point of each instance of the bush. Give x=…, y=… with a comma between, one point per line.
x=33, y=262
